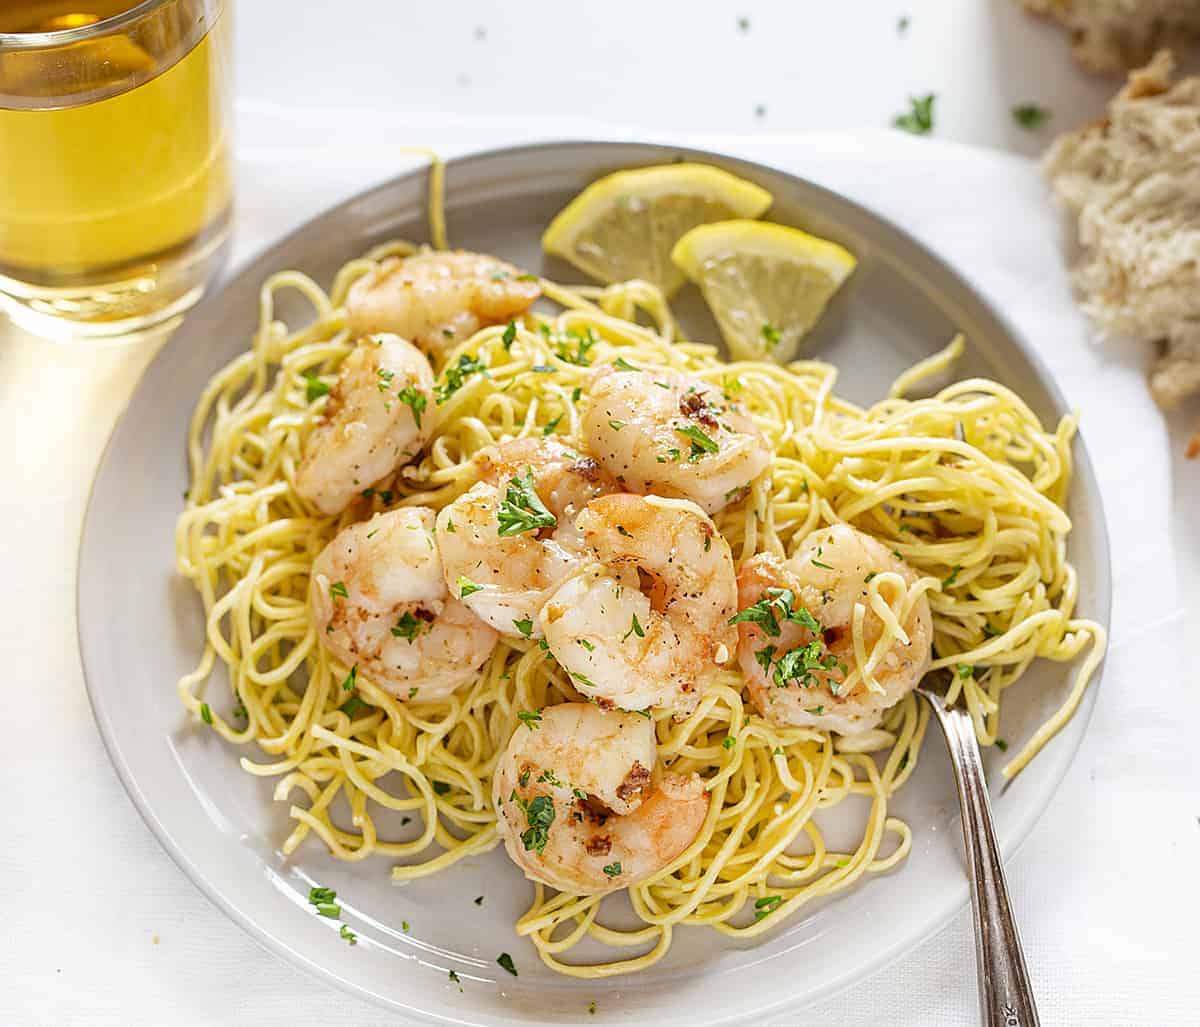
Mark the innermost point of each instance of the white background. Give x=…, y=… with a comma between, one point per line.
x=99, y=925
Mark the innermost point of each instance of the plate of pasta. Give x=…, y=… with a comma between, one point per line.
x=504, y=596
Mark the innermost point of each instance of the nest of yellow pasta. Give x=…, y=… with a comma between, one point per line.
x=966, y=487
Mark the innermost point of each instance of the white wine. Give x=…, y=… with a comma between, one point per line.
x=114, y=149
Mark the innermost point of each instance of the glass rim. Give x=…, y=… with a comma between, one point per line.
x=65, y=37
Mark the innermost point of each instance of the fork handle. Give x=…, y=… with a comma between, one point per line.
x=1005, y=994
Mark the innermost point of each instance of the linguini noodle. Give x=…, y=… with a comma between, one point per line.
x=966, y=486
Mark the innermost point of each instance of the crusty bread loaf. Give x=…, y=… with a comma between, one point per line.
x=1134, y=182
x=1112, y=36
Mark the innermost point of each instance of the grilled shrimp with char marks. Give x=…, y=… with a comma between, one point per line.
x=379, y=601
x=513, y=535
x=672, y=434
x=581, y=805
x=378, y=417
x=798, y=623
x=645, y=624
x=439, y=298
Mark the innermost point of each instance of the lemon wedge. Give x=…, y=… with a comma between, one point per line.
x=624, y=225
x=766, y=285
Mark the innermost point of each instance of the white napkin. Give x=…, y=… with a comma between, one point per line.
x=1105, y=888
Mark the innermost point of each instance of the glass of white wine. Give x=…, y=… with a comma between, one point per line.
x=115, y=191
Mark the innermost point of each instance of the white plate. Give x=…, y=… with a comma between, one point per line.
x=140, y=627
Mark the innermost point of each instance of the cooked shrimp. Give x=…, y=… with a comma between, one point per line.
x=646, y=624
x=672, y=434
x=578, y=805
x=834, y=636
x=379, y=416
x=438, y=299
x=379, y=603
x=513, y=536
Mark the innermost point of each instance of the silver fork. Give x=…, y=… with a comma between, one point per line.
x=1005, y=995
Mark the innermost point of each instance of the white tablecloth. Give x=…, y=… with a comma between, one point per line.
x=101, y=927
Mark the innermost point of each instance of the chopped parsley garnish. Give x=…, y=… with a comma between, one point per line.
x=415, y=399
x=456, y=375
x=801, y=663
x=318, y=895
x=965, y=670
x=634, y=629
x=328, y=909
x=817, y=563
x=586, y=644
x=548, y=777
x=777, y=604
x=353, y=706
x=510, y=333
x=951, y=577
x=919, y=120
x=1030, y=116
x=622, y=530
x=532, y=719
x=624, y=365
x=314, y=388
x=539, y=814
x=348, y=934
x=440, y=787
x=467, y=587
x=770, y=335
x=453, y=976
x=206, y=713
x=522, y=509
x=728, y=742
x=583, y=344
x=764, y=657
x=549, y=429
x=766, y=905
x=613, y=869
x=576, y=393
x=338, y=590
x=348, y=684
x=385, y=379
x=616, y=425
x=505, y=960
x=1002, y=745
x=524, y=625
x=701, y=443
x=816, y=711
x=408, y=627
x=404, y=926
x=592, y=1007
x=412, y=693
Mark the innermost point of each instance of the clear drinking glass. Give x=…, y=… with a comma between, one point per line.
x=115, y=190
